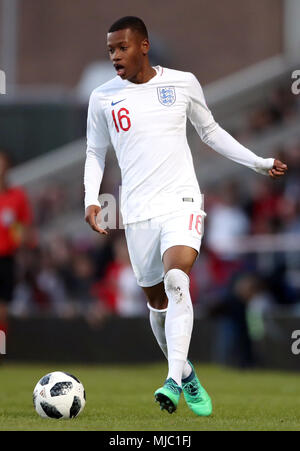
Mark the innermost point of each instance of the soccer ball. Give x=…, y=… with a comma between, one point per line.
x=59, y=395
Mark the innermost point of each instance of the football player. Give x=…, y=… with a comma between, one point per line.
x=142, y=113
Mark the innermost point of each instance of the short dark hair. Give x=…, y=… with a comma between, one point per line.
x=132, y=22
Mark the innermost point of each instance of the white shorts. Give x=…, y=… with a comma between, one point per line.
x=148, y=240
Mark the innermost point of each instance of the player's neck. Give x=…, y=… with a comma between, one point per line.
x=144, y=75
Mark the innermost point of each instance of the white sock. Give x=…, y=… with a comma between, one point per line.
x=179, y=321
x=157, y=321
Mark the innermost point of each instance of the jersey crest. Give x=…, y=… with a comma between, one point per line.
x=166, y=95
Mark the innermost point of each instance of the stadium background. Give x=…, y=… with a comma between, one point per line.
x=76, y=298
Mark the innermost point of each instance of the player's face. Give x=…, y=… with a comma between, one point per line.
x=127, y=50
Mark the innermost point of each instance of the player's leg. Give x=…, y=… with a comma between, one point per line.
x=145, y=250
x=143, y=240
x=157, y=304
x=180, y=244
x=156, y=296
x=178, y=322
x=178, y=261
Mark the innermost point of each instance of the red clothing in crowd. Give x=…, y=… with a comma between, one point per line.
x=15, y=212
x=107, y=289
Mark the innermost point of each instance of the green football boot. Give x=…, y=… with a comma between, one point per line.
x=168, y=395
x=195, y=395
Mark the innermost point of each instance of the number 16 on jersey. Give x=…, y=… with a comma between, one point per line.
x=122, y=120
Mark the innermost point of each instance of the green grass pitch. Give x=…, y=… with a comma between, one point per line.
x=120, y=398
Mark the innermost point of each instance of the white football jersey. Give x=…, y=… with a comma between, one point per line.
x=146, y=125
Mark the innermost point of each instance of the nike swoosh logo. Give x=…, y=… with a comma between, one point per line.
x=115, y=103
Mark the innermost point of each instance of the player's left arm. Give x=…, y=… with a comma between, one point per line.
x=221, y=141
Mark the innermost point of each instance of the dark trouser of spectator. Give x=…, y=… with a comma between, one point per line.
x=7, y=279
x=232, y=345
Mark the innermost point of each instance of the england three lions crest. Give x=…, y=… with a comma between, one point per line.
x=166, y=95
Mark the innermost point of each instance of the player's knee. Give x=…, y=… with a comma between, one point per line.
x=174, y=278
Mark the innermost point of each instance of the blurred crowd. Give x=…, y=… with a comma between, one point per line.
x=93, y=277
x=280, y=106
x=70, y=278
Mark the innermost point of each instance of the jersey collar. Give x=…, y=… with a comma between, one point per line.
x=159, y=71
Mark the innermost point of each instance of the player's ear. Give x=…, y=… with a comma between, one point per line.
x=145, y=44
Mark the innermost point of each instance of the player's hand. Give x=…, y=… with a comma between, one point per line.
x=278, y=169
x=91, y=213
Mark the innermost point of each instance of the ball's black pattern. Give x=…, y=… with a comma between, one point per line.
x=45, y=379
x=76, y=406
x=61, y=388
x=50, y=411
x=71, y=375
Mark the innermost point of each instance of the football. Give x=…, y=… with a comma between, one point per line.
x=59, y=395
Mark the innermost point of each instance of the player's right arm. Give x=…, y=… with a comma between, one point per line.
x=98, y=142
